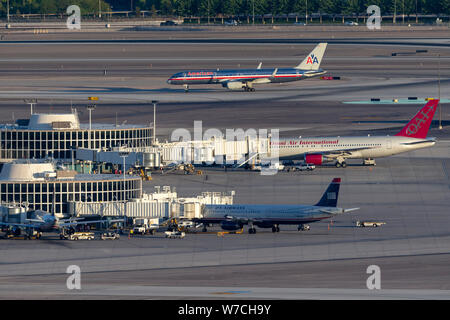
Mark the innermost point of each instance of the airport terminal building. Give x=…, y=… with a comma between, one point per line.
x=34, y=183
x=56, y=135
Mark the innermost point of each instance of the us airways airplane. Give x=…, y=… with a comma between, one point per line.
x=234, y=217
x=321, y=150
x=237, y=79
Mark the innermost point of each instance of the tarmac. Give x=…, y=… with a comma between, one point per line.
x=409, y=191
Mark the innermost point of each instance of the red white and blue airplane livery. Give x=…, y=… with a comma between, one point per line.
x=237, y=79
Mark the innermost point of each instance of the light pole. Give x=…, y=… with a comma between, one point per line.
x=31, y=102
x=253, y=18
x=417, y=19
x=306, y=12
x=439, y=91
x=90, y=108
x=99, y=9
x=7, y=5
x=403, y=14
x=154, y=120
x=123, y=154
x=208, y=10
x=395, y=12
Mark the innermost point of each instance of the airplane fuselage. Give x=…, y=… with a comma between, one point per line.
x=49, y=224
x=244, y=75
x=268, y=214
x=352, y=147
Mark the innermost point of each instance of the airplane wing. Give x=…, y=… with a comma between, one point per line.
x=350, y=210
x=245, y=220
x=236, y=80
x=338, y=211
x=70, y=220
x=308, y=74
x=35, y=220
x=252, y=80
x=342, y=153
x=247, y=80
x=23, y=225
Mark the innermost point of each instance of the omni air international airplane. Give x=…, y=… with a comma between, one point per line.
x=321, y=150
x=237, y=79
x=234, y=217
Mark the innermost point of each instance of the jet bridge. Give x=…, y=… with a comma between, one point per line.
x=214, y=151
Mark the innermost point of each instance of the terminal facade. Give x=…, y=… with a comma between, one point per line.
x=38, y=185
x=57, y=135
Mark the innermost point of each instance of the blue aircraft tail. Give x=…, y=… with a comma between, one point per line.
x=330, y=197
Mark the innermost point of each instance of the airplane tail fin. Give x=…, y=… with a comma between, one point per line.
x=313, y=60
x=330, y=197
x=419, y=125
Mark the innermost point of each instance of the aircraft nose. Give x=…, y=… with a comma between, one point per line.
x=169, y=81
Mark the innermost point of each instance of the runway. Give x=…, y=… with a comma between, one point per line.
x=138, y=73
x=409, y=192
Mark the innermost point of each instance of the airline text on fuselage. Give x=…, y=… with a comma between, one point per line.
x=303, y=142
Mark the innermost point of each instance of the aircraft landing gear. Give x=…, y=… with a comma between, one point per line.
x=276, y=228
x=249, y=89
x=186, y=88
x=204, y=228
x=251, y=230
x=342, y=164
x=303, y=227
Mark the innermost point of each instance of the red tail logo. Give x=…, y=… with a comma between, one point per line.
x=419, y=125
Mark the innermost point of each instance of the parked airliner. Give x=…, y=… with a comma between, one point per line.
x=234, y=217
x=237, y=79
x=320, y=150
x=48, y=222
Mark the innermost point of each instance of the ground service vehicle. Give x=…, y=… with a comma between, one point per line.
x=272, y=167
x=175, y=234
x=303, y=167
x=81, y=236
x=110, y=236
x=369, y=223
x=145, y=226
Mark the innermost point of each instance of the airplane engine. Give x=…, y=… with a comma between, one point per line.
x=230, y=225
x=235, y=85
x=264, y=224
x=317, y=159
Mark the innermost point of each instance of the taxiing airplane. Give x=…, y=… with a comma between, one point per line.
x=321, y=150
x=237, y=79
x=234, y=217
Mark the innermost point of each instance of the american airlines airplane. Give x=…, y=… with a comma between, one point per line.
x=234, y=217
x=237, y=79
x=321, y=150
